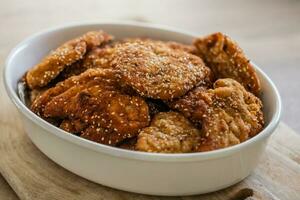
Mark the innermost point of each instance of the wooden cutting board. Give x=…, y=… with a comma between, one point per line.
x=33, y=176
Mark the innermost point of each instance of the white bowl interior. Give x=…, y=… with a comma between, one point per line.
x=30, y=52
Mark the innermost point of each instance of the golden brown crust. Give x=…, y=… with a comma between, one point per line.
x=169, y=132
x=65, y=55
x=183, y=47
x=92, y=105
x=40, y=102
x=173, y=45
x=193, y=105
x=227, y=60
x=112, y=117
x=228, y=113
x=98, y=58
x=109, y=93
x=155, y=70
x=96, y=38
x=73, y=126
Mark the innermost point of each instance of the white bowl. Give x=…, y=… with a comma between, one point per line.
x=147, y=173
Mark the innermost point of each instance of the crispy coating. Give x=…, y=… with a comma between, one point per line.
x=157, y=71
x=40, y=102
x=173, y=45
x=73, y=126
x=109, y=92
x=170, y=132
x=95, y=108
x=228, y=113
x=193, y=105
x=98, y=58
x=227, y=60
x=102, y=58
x=70, y=52
x=183, y=47
x=112, y=117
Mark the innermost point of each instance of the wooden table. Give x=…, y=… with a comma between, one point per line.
x=267, y=30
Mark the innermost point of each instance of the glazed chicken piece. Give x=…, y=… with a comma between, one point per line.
x=227, y=60
x=169, y=132
x=157, y=71
x=64, y=56
x=228, y=113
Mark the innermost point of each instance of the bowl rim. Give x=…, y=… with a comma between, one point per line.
x=123, y=153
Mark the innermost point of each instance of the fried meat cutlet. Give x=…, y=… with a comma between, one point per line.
x=169, y=132
x=228, y=113
x=227, y=60
x=110, y=116
x=93, y=106
x=157, y=71
x=109, y=92
x=70, y=52
x=40, y=101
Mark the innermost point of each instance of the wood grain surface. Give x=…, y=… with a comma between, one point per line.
x=6, y=192
x=268, y=31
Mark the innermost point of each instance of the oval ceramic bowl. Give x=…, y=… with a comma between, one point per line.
x=147, y=173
